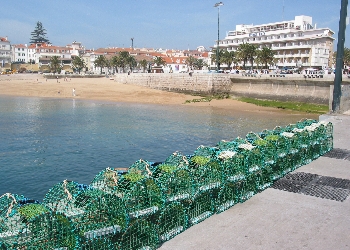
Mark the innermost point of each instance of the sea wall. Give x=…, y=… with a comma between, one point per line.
x=184, y=83
x=284, y=89
x=289, y=89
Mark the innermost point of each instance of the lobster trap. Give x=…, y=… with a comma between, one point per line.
x=171, y=221
x=141, y=234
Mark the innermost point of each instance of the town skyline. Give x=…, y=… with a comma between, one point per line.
x=153, y=24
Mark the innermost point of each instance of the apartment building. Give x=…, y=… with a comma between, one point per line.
x=20, y=53
x=297, y=43
x=5, y=52
x=42, y=53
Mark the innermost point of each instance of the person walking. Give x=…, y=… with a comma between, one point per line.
x=73, y=92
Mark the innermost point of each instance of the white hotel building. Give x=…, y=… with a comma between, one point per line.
x=297, y=43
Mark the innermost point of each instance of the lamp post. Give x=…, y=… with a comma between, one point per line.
x=339, y=60
x=217, y=44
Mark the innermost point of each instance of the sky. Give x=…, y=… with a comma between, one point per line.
x=155, y=24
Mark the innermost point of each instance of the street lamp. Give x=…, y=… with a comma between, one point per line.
x=217, y=45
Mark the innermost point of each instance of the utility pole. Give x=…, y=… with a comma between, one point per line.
x=340, y=55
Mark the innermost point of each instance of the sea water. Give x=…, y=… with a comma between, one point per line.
x=45, y=141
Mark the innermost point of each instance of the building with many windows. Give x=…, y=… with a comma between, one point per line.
x=296, y=43
x=20, y=53
x=42, y=53
x=5, y=52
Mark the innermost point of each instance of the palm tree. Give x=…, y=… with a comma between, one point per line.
x=115, y=62
x=159, y=61
x=101, y=62
x=247, y=52
x=78, y=64
x=265, y=56
x=219, y=56
x=55, y=64
x=124, y=59
x=143, y=63
x=228, y=58
x=190, y=61
x=132, y=62
x=199, y=64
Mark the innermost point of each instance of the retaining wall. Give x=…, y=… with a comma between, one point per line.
x=289, y=89
x=184, y=83
x=284, y=89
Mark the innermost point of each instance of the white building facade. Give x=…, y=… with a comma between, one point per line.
x=20, y=53
x=296, y=43
x=42, y=53
x=5, y=52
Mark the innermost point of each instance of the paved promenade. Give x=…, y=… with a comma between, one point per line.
x=276, y=219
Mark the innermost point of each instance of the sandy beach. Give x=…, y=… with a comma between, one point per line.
x=104, y=89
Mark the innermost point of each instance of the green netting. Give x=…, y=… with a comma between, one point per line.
x=233, y=165
x=207, y=172
x=47, y=230
x=3, y=246
x=93, y=212
x=141, y=167
x=200, y=207
x=178, y=160
x=10, y=222
x=172, y=220
x=16, y=211
x=106, y=180
x=104, y=243
x=229, y=195
x=140, y=235
x=61, y=198
x=176, y=184
x=305, y=122
x=104, y=214
x=142, y=198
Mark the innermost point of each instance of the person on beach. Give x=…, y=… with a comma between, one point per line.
x=73, y=92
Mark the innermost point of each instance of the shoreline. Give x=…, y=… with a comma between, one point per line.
x=104, y=89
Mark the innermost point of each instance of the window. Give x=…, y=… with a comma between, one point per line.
x=23, y=54
x=19, y=54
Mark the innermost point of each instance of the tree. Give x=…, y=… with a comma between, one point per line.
x=100, y=62
x=199, y=64
x=115, y=62
x=143, y=63
x=55, y=64
x=190, y=61
x=247, y=52
x=265, y=56
x=219, y=56
x=39, y=34
x=159, y=61
x=228, y=58
x=132, y=62
x=78, y=64
x=124, y=59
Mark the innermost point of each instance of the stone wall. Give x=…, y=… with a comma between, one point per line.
x=184, y=83
x=289, y=89
x=284, y=89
